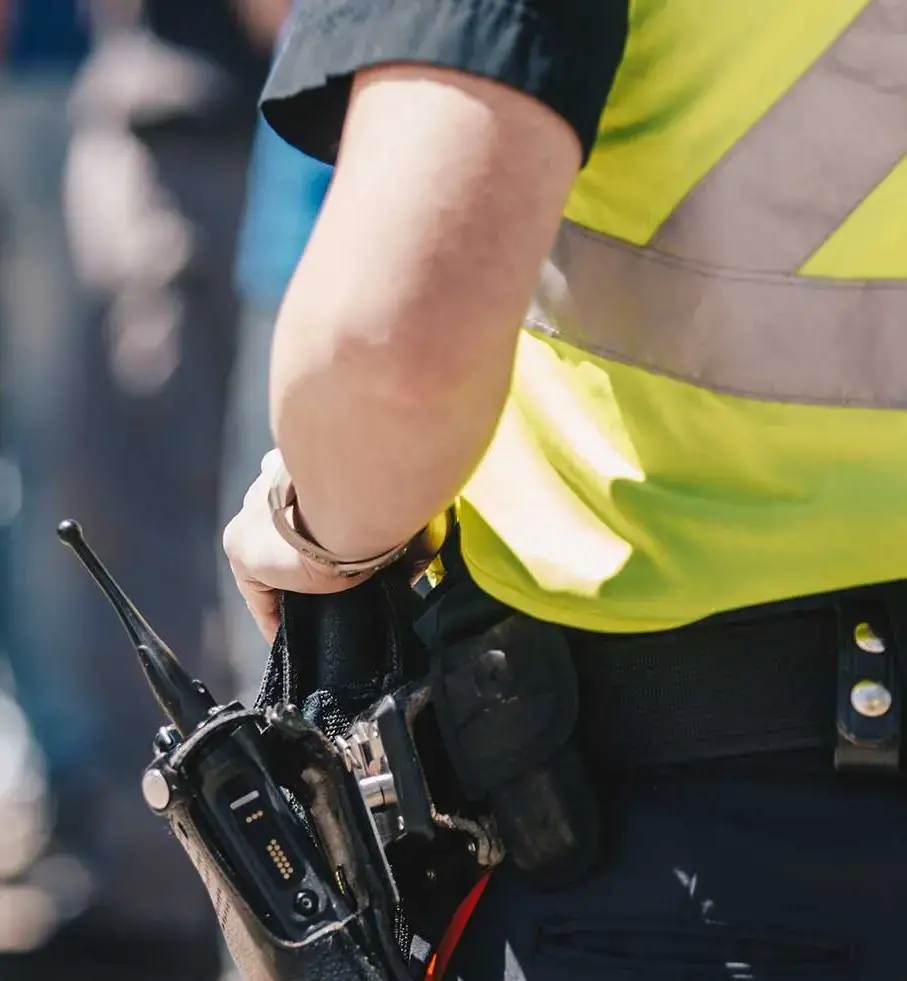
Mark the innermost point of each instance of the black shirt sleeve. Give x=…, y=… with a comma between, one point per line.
x=563, y=52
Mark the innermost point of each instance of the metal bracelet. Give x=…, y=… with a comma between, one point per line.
x=282, y=500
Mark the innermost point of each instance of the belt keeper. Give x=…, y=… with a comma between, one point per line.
x=869, y=698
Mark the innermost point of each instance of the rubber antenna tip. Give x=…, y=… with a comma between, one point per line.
x=69, y=531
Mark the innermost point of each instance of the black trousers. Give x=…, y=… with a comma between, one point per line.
x=766, y=869
x=763, y=865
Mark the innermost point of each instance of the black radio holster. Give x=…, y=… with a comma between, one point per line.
x=474, y=742
x=334, y=658
x=335, y=940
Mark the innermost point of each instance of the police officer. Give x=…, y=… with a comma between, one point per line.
x=629, y=281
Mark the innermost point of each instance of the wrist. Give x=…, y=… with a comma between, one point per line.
x=416, y=553
x=291, y=526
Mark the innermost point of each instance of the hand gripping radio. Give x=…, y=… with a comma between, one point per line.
x=338, y=823
x=293, y=832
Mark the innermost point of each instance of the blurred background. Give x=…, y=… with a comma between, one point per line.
x=148, y=226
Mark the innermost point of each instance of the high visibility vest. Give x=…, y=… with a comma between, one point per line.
x=709, y=406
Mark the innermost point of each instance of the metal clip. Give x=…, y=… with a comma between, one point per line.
x=380, y=752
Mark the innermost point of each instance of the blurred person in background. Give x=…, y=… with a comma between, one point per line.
x=131, y=399
x=272, y=239
x=41, y=45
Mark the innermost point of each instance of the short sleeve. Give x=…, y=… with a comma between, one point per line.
x=563, y=52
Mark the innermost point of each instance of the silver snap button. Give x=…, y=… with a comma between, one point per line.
x=155, y=790
x=870, y=699
x=868, y=640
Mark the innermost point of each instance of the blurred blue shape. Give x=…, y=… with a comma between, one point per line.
x=286, y=189
x=44, y=34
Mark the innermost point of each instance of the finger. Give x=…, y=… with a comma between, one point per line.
x=257, y=492
x=268, y=625
x=265, y=609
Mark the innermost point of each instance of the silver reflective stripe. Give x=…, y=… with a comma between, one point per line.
x=780, y=338
x=714, y=298
x=809, y=161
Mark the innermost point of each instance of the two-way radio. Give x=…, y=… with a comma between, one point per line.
x=255, y=828
x=289, y=829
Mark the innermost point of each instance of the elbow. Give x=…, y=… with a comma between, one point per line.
x=341, y=362
x=350, y=377
x=367, y=361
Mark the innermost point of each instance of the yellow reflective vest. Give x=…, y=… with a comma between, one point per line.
x=709, y=406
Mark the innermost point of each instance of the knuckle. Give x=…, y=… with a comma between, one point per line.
x=270, y=460
x=254, y=493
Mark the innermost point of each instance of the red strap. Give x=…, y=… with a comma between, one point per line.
x=441, y=957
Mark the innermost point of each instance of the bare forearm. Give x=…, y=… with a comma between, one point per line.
x=387, y=377
x=395, y=344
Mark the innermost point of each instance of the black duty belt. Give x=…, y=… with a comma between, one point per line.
x=822, y=672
